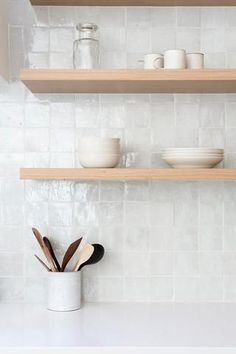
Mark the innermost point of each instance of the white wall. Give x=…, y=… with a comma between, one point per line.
x=165, y=241
x=4, y=51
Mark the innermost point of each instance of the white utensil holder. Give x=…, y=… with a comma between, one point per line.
x=63, y=291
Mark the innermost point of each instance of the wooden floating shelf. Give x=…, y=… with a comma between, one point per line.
x=130, y=81
x=133, y=2
x=126, y=174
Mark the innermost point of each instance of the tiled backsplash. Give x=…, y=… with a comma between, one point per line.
x=165, y=241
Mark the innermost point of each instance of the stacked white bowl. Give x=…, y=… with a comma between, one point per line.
x=192, y=157
x=99, y=152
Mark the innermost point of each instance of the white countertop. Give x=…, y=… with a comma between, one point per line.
x=120, y=325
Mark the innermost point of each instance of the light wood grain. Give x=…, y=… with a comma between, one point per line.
x=132, y=174
x=130, y=81
x=134, y=2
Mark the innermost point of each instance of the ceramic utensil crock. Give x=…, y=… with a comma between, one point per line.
x=63, y=291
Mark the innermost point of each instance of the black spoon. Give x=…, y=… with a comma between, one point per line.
x=49, y=246
x=97, y=255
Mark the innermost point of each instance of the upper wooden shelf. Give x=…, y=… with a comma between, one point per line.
x=132, y=174
x=134, y=2
x=130, y=81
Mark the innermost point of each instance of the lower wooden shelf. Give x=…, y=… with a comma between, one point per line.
x=132, y=174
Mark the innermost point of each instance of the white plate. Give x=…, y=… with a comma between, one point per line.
x=192, y=155
x=202, y=150
x=193, y=162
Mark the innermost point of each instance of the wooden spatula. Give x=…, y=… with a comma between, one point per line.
x=86, y=253
x=43, y=264
x=49, y=246
x=97, y=255
x=45, y=250
x=70, y=253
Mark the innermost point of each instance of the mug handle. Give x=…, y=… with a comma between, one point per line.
x=155, y=62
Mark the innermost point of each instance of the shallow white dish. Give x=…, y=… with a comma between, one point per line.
x=99, y=160
x=188, y=154
x=193, y=162
x=199, y=150
x=195, y=148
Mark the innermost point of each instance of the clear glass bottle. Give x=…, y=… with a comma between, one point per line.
x=86, y=48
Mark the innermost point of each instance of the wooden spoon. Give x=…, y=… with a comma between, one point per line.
x=45, y=250
x=86, y=253
x=43, y=264
x=96, y=256
x=49, y=246
x=70, y=253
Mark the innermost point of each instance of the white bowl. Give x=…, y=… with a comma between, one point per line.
x=99, y=160
x=99, y=141
x=99, y=150
x=193, y=162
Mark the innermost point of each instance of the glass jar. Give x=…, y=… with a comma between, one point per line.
x=86, y=48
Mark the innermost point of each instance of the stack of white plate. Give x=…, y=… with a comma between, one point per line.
x=99, y=152
x=192, y=157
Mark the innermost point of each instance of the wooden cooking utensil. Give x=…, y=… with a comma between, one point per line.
x=43, y=264
x=45, y=250
x=86, y=253
x=96, y=256
x=49, y=246
x=70, y=253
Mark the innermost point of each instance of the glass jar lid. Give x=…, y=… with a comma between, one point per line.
x=87, y=27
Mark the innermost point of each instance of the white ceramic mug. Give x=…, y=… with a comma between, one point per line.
x=153, y=61
x=175, y=59
x=195, y=60
x=63, y=291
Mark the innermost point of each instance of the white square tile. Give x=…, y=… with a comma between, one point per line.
x=189, y=39
x=210, y=238
x=136, y=238
x=161, y=263
x=229, y=238
x=213, y=17
x=137, y=289
x=185, y=238
x=111, y=213
x=210, y=263
x=61, y=40
x=186, y=263
x=37, y=139
x=62, y=140
x=186, y=289
x=161, y=238
x=229, y=263
x=163, y=16
x=210, y=289
x=161, y=289
x=40, y=39
x=161, y=213
x=136, y=213
x=188, y=16
x=212, y=114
